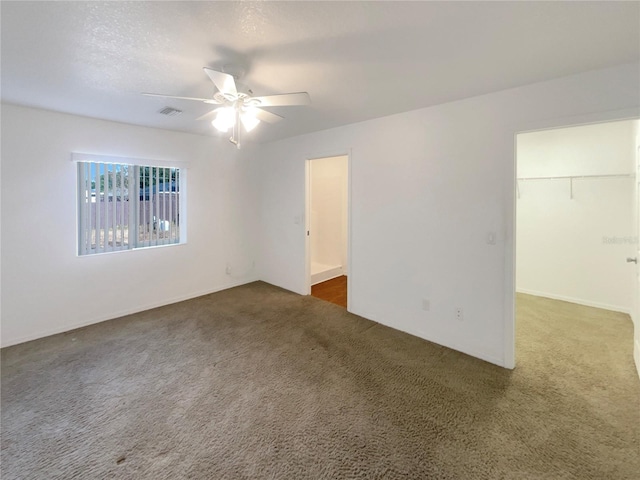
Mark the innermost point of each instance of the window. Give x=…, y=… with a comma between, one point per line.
x=123, y=206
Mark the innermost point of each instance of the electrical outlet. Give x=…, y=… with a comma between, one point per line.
x=228, y=270
x=459, y=314
x=425, y=304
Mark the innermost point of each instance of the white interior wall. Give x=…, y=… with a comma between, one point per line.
x=575, y=249
x=47, y=288
x=427, y=187
x=328, y=222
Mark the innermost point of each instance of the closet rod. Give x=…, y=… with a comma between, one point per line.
x=572, y=177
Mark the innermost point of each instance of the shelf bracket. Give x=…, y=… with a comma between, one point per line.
x=571, y=188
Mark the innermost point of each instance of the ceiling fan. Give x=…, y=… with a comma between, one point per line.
x=238, y=105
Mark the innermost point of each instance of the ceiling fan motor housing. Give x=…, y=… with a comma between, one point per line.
x=244, y=92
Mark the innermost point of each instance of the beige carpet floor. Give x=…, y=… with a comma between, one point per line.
x=259, y=383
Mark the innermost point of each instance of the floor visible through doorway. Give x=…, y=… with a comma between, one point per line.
x=334, y=291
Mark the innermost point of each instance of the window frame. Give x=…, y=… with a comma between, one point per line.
x=134, y=242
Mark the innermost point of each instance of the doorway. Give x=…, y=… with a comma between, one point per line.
x=576, y=233
x=328, y=228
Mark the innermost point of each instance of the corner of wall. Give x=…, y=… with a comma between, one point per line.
x=636, y=354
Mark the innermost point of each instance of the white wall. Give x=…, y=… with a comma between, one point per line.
x=427, y=187
x=328, y=222
x=576, y=249
x=47, y=288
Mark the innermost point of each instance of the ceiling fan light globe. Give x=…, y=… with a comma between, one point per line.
x=249, y=121
x=225, y=119
x=220, y=126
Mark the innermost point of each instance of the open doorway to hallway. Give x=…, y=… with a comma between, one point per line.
x=327, y=228
x=576, y=242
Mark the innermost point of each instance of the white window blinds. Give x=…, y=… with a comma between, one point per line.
x=123, y=206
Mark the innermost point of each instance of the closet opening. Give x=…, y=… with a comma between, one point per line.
x=577, y=211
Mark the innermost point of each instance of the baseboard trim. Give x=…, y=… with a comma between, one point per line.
x=579, y=301
x=320, y=277
x=123, y=313
x=467, y=350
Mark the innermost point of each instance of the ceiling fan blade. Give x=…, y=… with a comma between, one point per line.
x=283, y=100
x=205, y=100
x=223, y=81
x=208, y=114
x=265, y=116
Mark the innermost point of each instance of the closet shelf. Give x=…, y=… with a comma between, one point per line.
x=571, y=178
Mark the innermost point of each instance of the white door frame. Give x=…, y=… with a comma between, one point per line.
x=307, y=220
x=635, y=311
x=510, y=274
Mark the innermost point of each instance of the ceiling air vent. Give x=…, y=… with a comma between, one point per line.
x=170, y=111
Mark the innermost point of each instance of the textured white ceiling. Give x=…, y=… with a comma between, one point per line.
x=357, y=60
